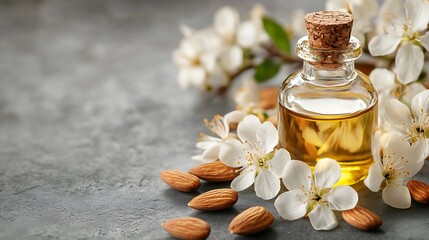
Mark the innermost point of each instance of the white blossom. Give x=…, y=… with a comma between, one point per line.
x=196, y=58
x=297, y=23
x=246, y=34
x=260, y=163
x=247, y=97
x=226, y=21
x=251, y=99
x=207, y=58
x=220, y=127
x=313, y=195
x=400, y=162
x=412, y=124
x=405, y=32
x=388, y=88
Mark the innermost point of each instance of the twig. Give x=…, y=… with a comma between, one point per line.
x=240, y=71
x=233, y=76
x=273, y=51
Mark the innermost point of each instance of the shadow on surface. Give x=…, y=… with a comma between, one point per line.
x=178, y=197
x=207, y=186
x=225, y=212
x=269, y=233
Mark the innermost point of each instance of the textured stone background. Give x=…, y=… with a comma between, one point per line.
x=90, y=113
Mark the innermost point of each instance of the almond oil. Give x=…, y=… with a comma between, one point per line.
x=343, y=138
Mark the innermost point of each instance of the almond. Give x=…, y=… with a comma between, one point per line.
x=362, y=218
x=181, y=181
x=253, y=220
x=268, y=98
x=187, y=228
x=419, y=191
x=214, y=172
x=213, y=200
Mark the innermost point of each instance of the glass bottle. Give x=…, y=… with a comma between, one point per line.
x=329, y=109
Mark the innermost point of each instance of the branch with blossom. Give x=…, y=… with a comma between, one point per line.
x=210, y=59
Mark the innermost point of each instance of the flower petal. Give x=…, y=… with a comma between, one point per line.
x=409, y=62
x=257, y=12
x=339, y=5
x=244, y=180
x=382, y=79
x=364, y=9
x=397, y=196
x=248, y=95
x=411, y=90
x=375, y=178
x=323, y=218
x=234, y=116
x=267, y=185
x=398, y=115
x=207, y=142
x=212, y=153
x=231, y=153
x=180, y=59
x=232, y=58
x=194, y=76
x=326, y=173
x=246, y=129
x=268, y=136
x=383, y=44
x=406, y=157
x=297, y=23
x=226, y=21
x=247, y=34
x=208, y=61
x=190, y=47
x=342, y=198
x=425, y=40
x=296, y=175
x=420, y=103
x=290, y=206
x=418, y=10
x=278, y=162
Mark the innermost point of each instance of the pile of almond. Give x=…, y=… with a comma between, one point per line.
x=254, y=219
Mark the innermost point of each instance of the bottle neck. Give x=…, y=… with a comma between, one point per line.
x=324, y=75
x=329, y=67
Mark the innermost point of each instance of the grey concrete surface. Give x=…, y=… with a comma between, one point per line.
x=90, y=113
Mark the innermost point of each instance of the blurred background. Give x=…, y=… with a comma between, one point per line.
x=60, y=59
x=91, y=111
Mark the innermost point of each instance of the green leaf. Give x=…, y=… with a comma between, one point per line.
x=266, y=70
x=277, y=34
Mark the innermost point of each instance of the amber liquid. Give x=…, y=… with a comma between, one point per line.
x=344, y=138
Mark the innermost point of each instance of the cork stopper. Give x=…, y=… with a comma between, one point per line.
x=329, y=29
